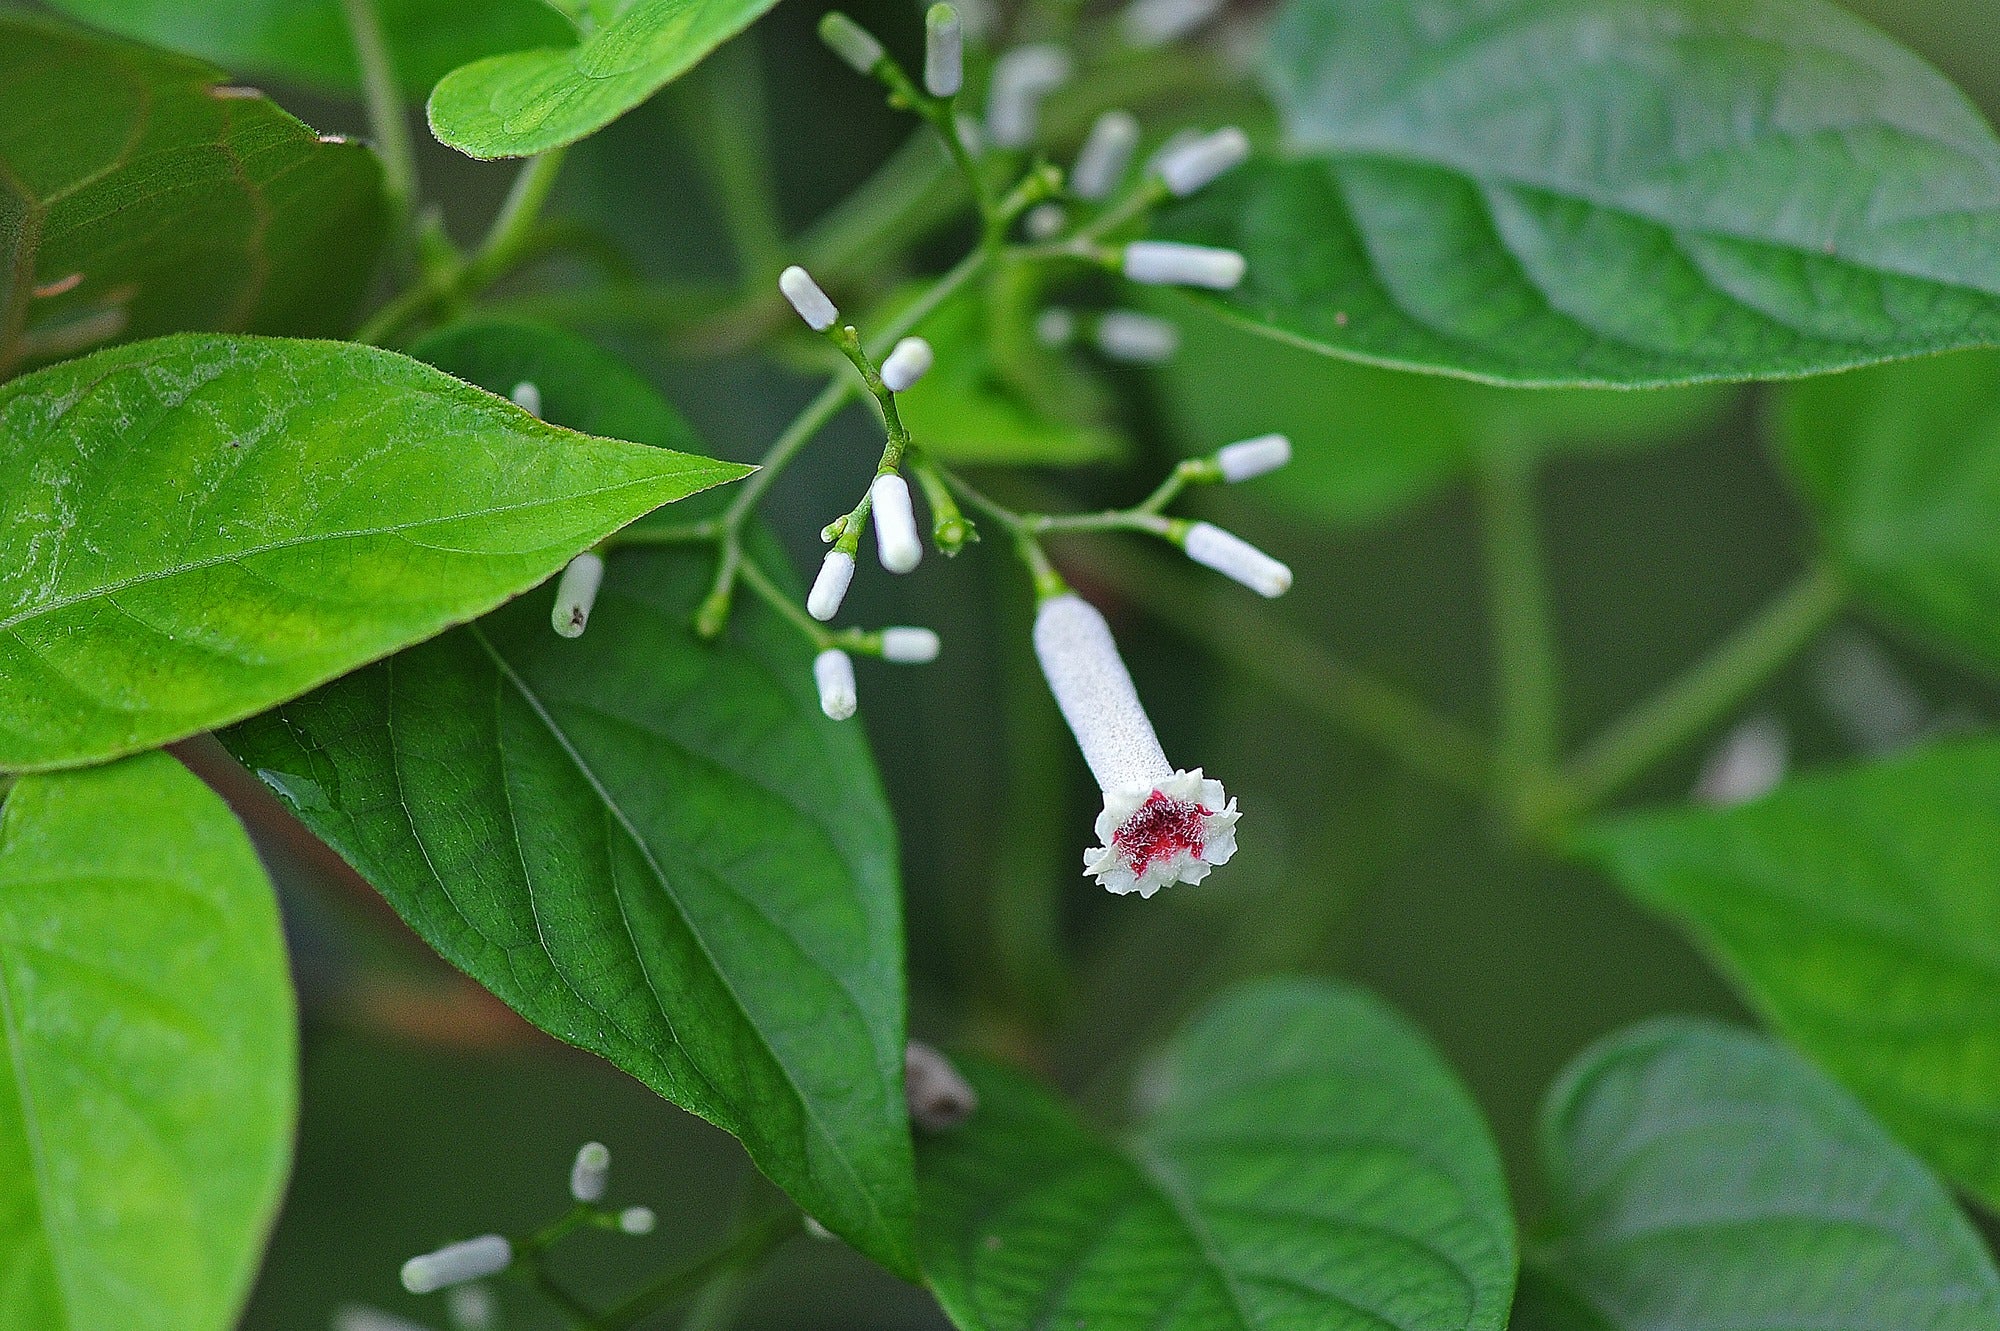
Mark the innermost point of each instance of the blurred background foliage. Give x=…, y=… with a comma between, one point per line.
x=431, y=1112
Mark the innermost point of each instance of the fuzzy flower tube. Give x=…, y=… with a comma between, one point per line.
x=1159, y=826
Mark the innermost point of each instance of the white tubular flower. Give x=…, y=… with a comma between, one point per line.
x=1141, y=339
x=1190, y=165
x=829, y=589
x=1106, y=152
x=1248, y=458
x=1749, y=762
x=851, y=42
x=1021, y=78
x=944, y=52
x=940, y=1098
x=474, y=1259
x=908, y=362
x=355, y=1317
x=896, y=542
x=1044, y=221
x=1171, y=264
x=1233, y=557
x=636, y=1220
x=1159, y=826
x=591, y=1172
x=527, y=397
x=907, y=646
x=1157, y=22
x=1055, y=327
x=833, y=671
x=576, y=593
x=806, y=297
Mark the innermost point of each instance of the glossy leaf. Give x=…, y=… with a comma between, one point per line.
x=652, y=848
x=528, y=102
x=307, y=40
x=204, y=526
x=1615, y=192
x=140, y=196
x=1303, y=1160
x=147, y=1103
x=1860, y=911
x=1902, y=466
x=1707, y=1180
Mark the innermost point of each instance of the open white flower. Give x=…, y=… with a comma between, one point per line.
x=1159, y=826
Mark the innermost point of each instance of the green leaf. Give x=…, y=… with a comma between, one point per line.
x=1305, y=1161
x=1614, y=192
x=1860, y=911
x=1707, y=1180
x=528, y=102
x=138, y=197
x=147, y=1102
x=198, y=527
x=308, y=40
x=1902, y=466
x=1369, y=442
x=656, y=849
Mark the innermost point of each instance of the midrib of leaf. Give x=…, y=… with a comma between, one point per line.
x=806, y=1102
x=1155, y=1173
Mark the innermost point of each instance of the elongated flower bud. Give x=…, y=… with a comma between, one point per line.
x=1021, y=78
x=474, y=1259
x=940, y=1097
x=1170, y=263
x=576, y=593
x=473, y=1308
x=907, y=646
x=906, y=364
x=1190, y=165
x=591, y=1173
x=527, y=397
x=1748, y=764
x=944, y=52
x=1158, y=826
x=851, y=42
x=1105, y=154
x=806, y=297
x=829, y=589
x=355, y=1317
x=896, y=541
x=1055, y=327
x=1156, y=22
x=1234, y=557
x=1253, y=457
x=1141, y=339
x=833, y=671
x=637, y=1220
x=1044, y=221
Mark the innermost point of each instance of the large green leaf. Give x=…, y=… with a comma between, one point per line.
x=139, y=197
x=1861, y=912
x=1304, y=1161
x=1707, y=1180
x=1902, y=466
x=308, y=41
x=197, y=527
x=1613, y=192
x=651, y=847
x=528, y=102
x=146, y=1104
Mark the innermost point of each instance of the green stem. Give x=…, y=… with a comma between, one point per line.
x=760, y=582
x=1523, y=641
x=723, y=104
x=757, y=1242
x=512, y=232
x=1705, y=695
x=385, y=108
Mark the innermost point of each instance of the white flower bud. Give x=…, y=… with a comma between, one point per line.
x=1156, y=22
x=1105, y=154
x=1234, y=557
x=1141, y=339
x=906, y=364
x=591, y=1172
x=1169, y=263
x=833, y=671
x=354, y=1317
x=1044, y=221
x=474, y=1259
x=815, y=1230
x=907, y=646
x=944, y=52
x=527, y=397
x=1749, y=762
x=473, y=1308
x=807, y=298
x=851, y=42
x=1021, y=78
x=940, y=1098
x=1253, y=457
x=638, y=1220
x=1190, y=165
x=829, y=589
x=1055, y=327
x=576, y=593
x=896, y=540
x=970, y=133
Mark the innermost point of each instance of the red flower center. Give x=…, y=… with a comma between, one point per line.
x=1161, y=829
